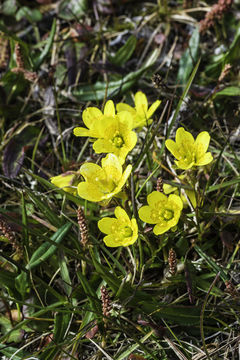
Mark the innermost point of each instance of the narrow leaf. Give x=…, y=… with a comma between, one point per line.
x=125, y=52
x=47, y=249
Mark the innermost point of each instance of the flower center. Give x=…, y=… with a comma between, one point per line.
x=118, y=140
x=168, y=214
x=126, y=231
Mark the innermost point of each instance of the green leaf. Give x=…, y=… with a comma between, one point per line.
x=7, y=279
x=228, y=91
x=183, y=315
x=9, y=7
x=44, y=208
x=72, y=9
x=6, y=326
x=48, y=46
x=14, y=152
x=223, y=185
x=125, y=52
x=8, y=351
x=62, y=262
x=47, y=249
x=61, y=324
x=100, y=90
x=189, y=58
x=90, y=293
x=217, y=269
x=22, y=283
x=218, y=62
x=32, y=15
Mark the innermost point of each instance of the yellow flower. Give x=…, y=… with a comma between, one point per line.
x=93, y=118
x=67, y=181
x=121, y=231
x=190, y=152
x=102, y=183
x=164, y=211
x=141, y=114
x=113, y=131
x=117, y=136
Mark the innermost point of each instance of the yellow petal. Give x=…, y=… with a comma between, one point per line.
x=155, y=197
x=103, y=146
x=184, y=165
x=125, y=107
x=161, y=228
x=112, y=167
x=121, y=214
x=64, y=182
x=126, y=118
x=105, y=225
x=112, y=241
x=90, y=171
x=153, y=108
x=206, y=159
x=173, y=148
x=124, y=177
x=90, y=116
x=80, y=131
x=90, y=192
x=168, y=189
x=145, y=214
x=203, y=138
x=176, y=201
x=184, y=137
x=141, y=103
x=109, y=108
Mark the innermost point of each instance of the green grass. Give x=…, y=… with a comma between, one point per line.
x=51, y=283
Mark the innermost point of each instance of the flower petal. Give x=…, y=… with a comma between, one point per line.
x=145, y=214
x=91, y=171
x=105, y=225
x=120, y=214
x=153, y=108
x=109, y=108
x=91, y=115
x=176, y=201
x=203, y=138
x=184, y=165
x=103, y=146
x=124, y=178
x=112, y=241
x=141, y=103
x=161, y=228
x=125, y=118
x=173, y=148
x=112, y=167
x=90, y=192
x=206, y=159
x=80, y=131
x=155, y=197
x=183, y=137
x=125, y=107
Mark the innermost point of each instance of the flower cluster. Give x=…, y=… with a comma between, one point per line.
x=113, y=133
